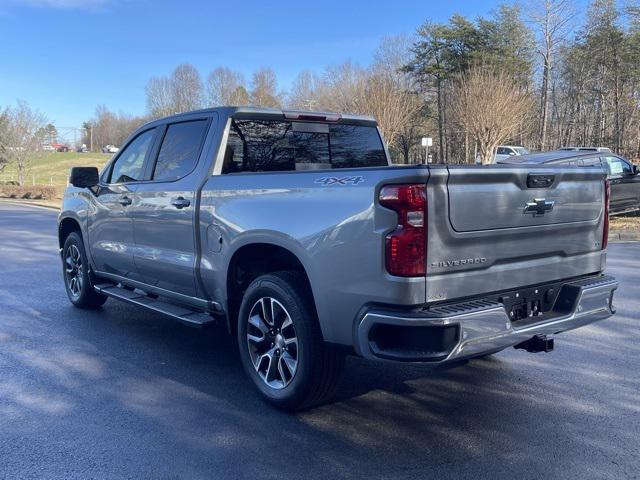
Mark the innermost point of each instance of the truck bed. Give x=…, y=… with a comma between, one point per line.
x=479, y=239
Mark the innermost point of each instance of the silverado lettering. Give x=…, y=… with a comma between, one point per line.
x=457, y=263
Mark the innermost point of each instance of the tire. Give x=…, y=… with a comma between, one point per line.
x=306, y=371
x=78, y=280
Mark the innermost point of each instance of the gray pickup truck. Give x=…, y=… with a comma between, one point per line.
x=294, y=229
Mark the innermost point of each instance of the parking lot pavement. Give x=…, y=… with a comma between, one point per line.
x=125, y=393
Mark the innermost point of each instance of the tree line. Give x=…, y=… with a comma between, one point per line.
x=541, y=74
x=526, y=74
x=22, y=131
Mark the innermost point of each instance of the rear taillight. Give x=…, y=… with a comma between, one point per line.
x=406, y=246
x=605, y=230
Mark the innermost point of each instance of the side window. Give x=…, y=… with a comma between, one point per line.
x=128, y=167
x=616, y=166
x=590, y=162
x=355, y=146
x=179, y=150
x=627, y=169
x=506, y=151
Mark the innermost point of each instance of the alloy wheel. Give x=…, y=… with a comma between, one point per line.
x=272, y=343
x=73, y=270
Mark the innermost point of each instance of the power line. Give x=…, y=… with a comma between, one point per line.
x=70, y=135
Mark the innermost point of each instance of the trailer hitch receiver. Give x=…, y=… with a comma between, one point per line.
x=538, y=343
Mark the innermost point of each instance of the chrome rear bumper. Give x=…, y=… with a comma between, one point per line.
x=477, y=327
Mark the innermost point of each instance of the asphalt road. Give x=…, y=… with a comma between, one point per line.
x=124, y=393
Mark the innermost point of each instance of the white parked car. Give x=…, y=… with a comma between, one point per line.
x=110, y=149
x=505, y=151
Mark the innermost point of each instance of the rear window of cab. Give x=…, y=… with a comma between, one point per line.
x=273, y=145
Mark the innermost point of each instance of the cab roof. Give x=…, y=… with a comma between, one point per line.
x=274, y=114
x=550, y=157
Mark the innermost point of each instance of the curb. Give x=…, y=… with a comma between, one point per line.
x=624, y=237
x=22, y=203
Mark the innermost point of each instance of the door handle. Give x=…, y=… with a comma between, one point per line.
x=180, y=202
x=125, y=201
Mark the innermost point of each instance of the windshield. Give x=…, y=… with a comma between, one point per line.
x=521, y=150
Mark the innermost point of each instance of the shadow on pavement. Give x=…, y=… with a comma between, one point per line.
x=122, y=392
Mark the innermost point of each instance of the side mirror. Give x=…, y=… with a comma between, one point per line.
x=635, y=168
x=512, y=153
x=84, y=177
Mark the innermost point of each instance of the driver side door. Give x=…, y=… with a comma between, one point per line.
x=625, y=185
x=111, y=225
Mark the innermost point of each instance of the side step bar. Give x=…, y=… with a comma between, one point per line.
x=189, y=317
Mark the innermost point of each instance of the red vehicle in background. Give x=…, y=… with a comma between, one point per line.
x=60, y=147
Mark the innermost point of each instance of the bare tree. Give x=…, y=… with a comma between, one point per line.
x=343, y=88
x=305, y=91
x=264, y=89
x=4, y=134
x=226, y=87
x=186, y=88
x=181, y=92
x=383, y=91
x=393, y=52
x=24, y=133
x=552, y=20
x=407, y=141
x=159, y=101
x=407, y=144
x=633, y=11
x=387, y=100
x=491, y=107
x=109, y=128
x=390, y=96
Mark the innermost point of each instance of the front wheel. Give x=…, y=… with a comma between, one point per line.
x=77, y=277
x=281, y=344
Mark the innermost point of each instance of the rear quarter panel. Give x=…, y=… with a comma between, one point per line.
x=336, y=230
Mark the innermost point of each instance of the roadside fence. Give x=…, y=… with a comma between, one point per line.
x=53, y=180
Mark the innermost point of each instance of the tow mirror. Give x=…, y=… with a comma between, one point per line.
x=84, y=177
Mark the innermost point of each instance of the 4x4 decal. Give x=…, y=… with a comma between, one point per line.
x=340, y=181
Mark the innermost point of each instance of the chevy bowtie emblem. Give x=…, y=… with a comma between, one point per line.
x=539, y=206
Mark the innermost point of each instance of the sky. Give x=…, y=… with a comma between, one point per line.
x=65, y=57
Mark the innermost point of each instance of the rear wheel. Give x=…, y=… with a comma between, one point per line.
x=281, y=345
x=77, y=277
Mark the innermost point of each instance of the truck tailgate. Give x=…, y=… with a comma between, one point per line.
x=496, y=198
x=503, y=227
